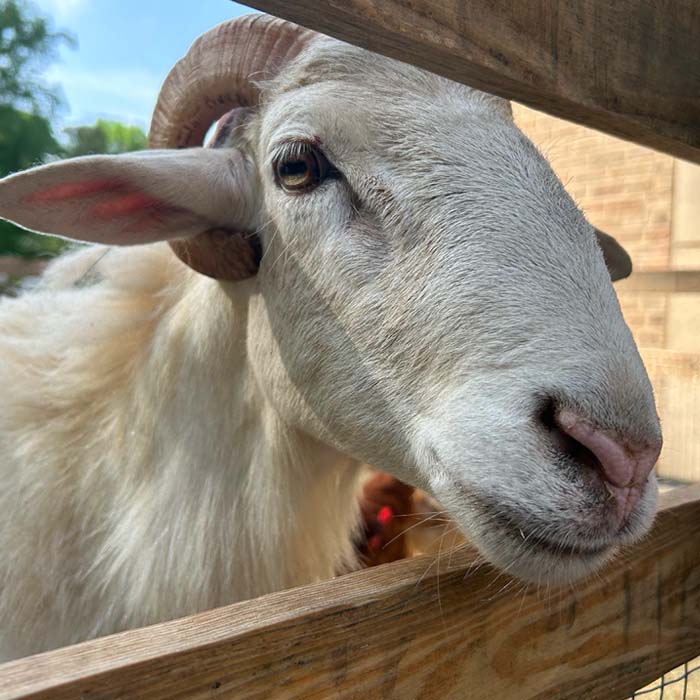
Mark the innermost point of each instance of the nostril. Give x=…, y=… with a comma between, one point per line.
x=547, y=415
x=622, y=464
x=563, y=441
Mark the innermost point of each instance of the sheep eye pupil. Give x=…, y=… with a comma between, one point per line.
x=294, y=171
x=301, y=171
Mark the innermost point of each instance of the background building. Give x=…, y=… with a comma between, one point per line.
x=651, y=203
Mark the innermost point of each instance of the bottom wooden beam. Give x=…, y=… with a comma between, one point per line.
x=422, y=628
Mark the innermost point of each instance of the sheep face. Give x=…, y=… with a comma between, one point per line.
x=439, y=307
x=429, y=299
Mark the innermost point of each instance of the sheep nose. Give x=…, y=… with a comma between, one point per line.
x=624, y=466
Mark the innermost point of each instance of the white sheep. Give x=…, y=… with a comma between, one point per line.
x=373, y=265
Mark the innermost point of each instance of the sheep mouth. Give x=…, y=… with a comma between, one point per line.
x=528, y=537
x=560, y=549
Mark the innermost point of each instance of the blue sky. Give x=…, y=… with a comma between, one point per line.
x=125, y=49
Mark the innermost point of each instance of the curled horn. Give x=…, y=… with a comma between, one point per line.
x=216, y=76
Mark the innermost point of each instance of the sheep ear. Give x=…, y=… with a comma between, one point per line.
x=140, y=198
x=616, y=258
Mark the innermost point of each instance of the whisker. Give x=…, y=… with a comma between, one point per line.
x=408, y=529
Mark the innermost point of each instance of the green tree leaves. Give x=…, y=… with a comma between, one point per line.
x=105, y=137
x=28, y=44
x=25, y=140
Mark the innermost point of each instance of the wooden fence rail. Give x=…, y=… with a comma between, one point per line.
x=421, y=628
x=669, y=281
x=629, y=67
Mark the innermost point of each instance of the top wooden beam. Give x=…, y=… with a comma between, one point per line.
x=629, y=67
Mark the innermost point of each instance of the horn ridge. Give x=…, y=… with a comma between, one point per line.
x=217, y=73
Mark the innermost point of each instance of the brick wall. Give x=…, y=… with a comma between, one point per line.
x=645, y=313
x=623, y=188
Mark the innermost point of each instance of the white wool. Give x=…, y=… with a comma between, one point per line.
x=154, y=480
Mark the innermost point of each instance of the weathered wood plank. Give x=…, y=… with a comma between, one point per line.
x=410, y=630
x=669, y=281
x=630, y=67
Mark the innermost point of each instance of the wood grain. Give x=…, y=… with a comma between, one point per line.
x=668, y=281
x=410, y=630
x=629, y=67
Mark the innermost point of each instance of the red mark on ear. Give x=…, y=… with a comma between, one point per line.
x=73, y=190
x=111, y=200
x=124, y=205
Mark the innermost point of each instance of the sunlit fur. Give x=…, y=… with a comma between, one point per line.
x=145, y=474
x=169, y=443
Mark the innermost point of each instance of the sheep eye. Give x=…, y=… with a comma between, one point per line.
x=301, y=169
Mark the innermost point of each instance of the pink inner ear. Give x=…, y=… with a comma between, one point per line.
x=153, y=217
x=124, y=205
x=115, y=200
x=72, y=190
x=115, y=203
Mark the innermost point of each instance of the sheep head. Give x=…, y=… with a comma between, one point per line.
x=423, y=295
